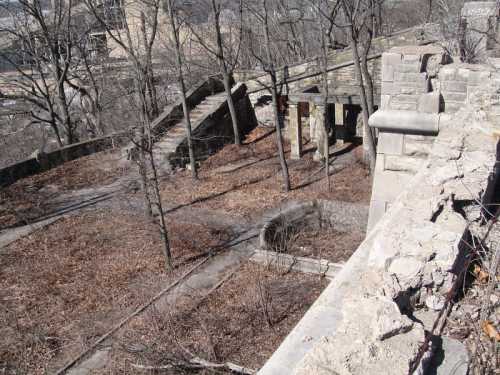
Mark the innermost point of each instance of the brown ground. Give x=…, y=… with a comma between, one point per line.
x=229, y=325
x=325, y=243
x=63, y=287
x=251, y=190
x=30, y=197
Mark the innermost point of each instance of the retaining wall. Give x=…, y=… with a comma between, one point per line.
x=45, y=161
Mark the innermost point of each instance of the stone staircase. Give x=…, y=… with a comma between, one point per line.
x=167, y=148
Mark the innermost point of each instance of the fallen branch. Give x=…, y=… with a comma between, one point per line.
x=197, y=364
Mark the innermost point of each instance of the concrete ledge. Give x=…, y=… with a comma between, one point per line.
x=406, y=122
x=288, y=262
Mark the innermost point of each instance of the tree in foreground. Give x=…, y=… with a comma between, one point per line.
x=267, y=60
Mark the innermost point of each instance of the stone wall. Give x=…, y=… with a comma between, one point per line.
x=45, y=161
x=407, y=121
x=374, y=316
x=340, y=63
x=438, y=130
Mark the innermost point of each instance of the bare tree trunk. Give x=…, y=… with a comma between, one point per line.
x=163, y=225
x=225, y=73
x=326, y=112
x=364, y=104
x=274, y=92
x=149, y=75
x=66, y=119
x=185, y=108
x=367, y=79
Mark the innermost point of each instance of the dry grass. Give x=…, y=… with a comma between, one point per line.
x=253, y=189
x=230, y=325
x=62, y=288
x=325, y=243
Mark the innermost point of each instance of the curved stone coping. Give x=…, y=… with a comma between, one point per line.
x=406, y=122
x=342, y=215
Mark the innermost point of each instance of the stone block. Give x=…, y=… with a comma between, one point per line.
x=451, y=106
x=435, y=85
x=447, y=73
x=390, y=88
x=479, y=78
x=339, y=114
x=416, y=149
x=429, y=103
x=403, y=106
x=410, y=88
x=295, y=131
x=390, y=143
x=454, y=86
x=410, y=77
x=389, y=62
x=460, y=97
x=388, y=185
x=385, y=101
x=410, y=58
x=463, y=74
x=400, y=163
x=413, y=67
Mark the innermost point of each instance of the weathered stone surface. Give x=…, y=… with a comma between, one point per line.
x=295, y=131
x=353, y=349
x=429, y=103
x=389, y=61
x=390, y=143
x=408, y=164
x=405, y=121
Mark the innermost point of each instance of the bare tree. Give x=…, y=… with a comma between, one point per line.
x=326, y=18
x=357, y=13
x=267, y=59
x=226, y=66
x=178, y=53
x=42, y=56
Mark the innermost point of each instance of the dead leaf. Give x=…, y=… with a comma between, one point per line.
x=481, y=276
x=490, y=330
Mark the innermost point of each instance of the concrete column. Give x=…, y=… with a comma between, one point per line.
x=312, y=121
x=341, y=131
x=319, y=132
x=295, y=131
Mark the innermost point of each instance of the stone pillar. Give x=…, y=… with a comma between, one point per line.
x=341, y=131
x=295, y=131
x=407, y=122
x=312, y=121
x=319, y=132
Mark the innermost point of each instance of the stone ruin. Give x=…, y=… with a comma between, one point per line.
x=438, y=130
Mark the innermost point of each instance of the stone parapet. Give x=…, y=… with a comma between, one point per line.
x=364, y=322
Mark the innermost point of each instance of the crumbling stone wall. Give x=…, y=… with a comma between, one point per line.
x=407, y=121
x=373, y=317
